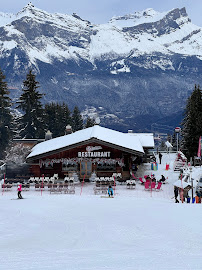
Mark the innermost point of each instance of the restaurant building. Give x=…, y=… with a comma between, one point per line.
x=95, y=149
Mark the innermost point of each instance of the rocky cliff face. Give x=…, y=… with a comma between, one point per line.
x=135, y=71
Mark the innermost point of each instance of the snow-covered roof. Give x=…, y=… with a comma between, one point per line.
x=181, y=184
x=146, y=139
x=116, y=138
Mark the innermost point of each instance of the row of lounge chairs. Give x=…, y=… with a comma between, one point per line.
x=47, y=179
x=104, y=179
x=152, y=186
x=101, y=186
x=62, y=188
x=100, y=190
x=7, y=187
x=131, y=184
x=105, y=183
x=43, y=179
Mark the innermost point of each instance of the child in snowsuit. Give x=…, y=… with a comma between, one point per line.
x=19, y=191
x=110, y=191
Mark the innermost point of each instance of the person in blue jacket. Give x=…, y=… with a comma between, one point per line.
x=110, y=191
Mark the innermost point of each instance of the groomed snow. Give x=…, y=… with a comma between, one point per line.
x=135, y=230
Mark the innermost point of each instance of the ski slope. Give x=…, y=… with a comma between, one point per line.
x=135, y=230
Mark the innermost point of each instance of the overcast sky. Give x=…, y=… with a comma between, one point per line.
x=101, y=11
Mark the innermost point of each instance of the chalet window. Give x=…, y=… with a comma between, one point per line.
x=48, y=167
x=69, y=167
x=106, y=167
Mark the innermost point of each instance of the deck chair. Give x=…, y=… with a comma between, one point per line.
x=133, y=183
x=146, y=186
x=158, y=188
x=128, y=183
x=141, y=181
x=153, y=184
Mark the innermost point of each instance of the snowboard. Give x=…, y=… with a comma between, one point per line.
x=17, y=199
x=106, y=197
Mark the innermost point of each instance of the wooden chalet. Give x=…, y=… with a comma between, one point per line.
x=95, y=149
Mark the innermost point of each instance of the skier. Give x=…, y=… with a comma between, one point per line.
x=160, y=157
x=19, y=191
x=110, y=191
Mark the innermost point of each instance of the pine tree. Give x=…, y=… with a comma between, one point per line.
x=192, y=123
x=90, y=122
x=5, y=115
x=66, y=117
x=77, y=121
x=174, y=141
x=162, y=146
x=50, y=118
x=31, y=123
x=57, y=117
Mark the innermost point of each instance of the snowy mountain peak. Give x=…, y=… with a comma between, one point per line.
x=149, y=12
x=30, y=10
x=29, y=6
x=136, y=16
x=148, y=16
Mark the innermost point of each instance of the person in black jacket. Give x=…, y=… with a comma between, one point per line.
x=160, y=157
x=176, y=192
x=162, y=179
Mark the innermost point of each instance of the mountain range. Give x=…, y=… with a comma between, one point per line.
x=135, y=72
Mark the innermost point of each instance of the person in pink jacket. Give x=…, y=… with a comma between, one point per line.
x=19, y=191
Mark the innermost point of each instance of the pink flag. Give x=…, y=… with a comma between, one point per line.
x=199, y=148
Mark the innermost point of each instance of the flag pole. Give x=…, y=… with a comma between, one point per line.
x=114, y=185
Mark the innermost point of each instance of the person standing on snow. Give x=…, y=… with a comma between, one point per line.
x=160, y=157
x=176, y=192
x=110, y=191
x=19, y=191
